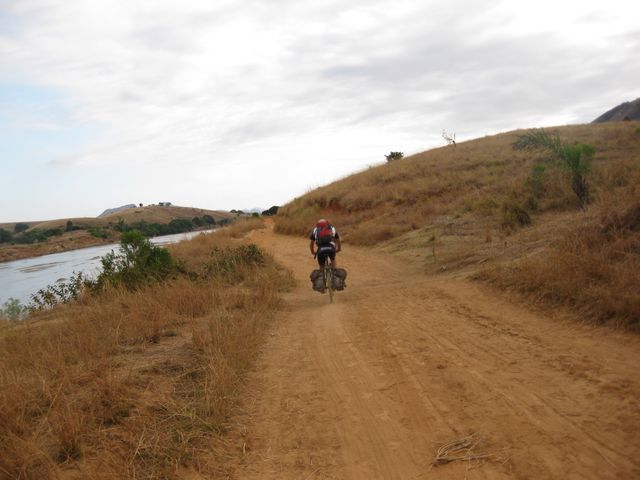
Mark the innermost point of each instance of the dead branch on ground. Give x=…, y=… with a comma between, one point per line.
x=461, y=449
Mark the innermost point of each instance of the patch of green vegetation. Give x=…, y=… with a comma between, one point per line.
x=138, y=262
x=394, y=156
x=13, y=310
x=20, y=227
x=98, y=232
x=59, y=292
x=36, y=235
x=179, y=225
x=573, y=159
x=5, y=236
x=271, y=211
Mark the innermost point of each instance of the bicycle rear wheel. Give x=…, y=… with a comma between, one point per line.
x=330, y=285
x=327, y=274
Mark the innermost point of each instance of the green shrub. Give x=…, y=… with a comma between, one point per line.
x=20, y=227
x=271, y=211
x=98, y=232
x=59, y=292
x=394, y=156
x=5, y=235
x=37, y=235
x=573, y=159
x=156, y=229
x=139, y=262
x=13, y=310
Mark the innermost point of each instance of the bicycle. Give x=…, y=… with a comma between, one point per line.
x=327, y=278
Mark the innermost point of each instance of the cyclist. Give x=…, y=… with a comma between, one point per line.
x=326, y=238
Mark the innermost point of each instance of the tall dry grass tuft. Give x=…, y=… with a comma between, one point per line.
x=593, y=269
x=136, y=384
x=242, y=226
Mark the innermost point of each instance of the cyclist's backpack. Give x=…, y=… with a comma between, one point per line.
x=324, y=234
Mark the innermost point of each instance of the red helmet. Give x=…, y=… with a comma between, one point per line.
x=322, y=223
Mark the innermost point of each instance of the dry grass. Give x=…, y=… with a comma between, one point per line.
x=462, y=449
x=593, y=268
x=242, y=226
x=475, y=177
x=135, y=384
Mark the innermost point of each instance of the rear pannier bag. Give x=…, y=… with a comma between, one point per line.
x=317, y=281
x=339, y=277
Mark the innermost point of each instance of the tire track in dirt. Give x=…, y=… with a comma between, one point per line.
x=366, y=387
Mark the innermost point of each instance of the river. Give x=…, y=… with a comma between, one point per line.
x=20, y=279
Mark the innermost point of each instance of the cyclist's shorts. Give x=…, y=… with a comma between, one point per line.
x=324, y=252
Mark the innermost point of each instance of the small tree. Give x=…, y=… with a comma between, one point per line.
x=13, y=310
x=5, y=235
x=69, y=226
x=394, y=156
x=20, y=227
x=574, y=159
x=271, y=211
x=139, y=262
x=450, y=139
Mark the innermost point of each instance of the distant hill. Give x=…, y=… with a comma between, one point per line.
x=109, y=211
x=149, y=213
x=624, y=111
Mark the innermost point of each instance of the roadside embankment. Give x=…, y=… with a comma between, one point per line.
x=135, y=383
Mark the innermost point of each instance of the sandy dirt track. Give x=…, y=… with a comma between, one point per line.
x=367, y=387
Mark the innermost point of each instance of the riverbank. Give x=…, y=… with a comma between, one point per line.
x=31, y=239
x=64, y=243
x=67, y=242
x=99, y=388
x=19, y=279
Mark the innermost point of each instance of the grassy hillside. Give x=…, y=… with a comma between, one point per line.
x=484, y=206
x=475, y=177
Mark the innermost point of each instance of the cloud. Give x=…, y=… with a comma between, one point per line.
x=209, y=86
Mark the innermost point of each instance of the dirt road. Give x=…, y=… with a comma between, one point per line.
x=368, y=387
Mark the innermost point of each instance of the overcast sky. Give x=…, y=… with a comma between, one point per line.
x=239, y=104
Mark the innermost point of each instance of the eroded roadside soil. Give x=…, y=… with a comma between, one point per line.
x=369, y=386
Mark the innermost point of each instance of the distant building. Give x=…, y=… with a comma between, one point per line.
x=164, y=204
